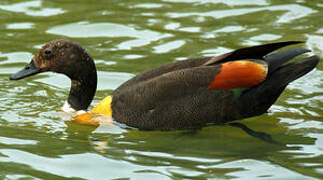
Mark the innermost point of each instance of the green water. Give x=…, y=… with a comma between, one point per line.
x=128, y=37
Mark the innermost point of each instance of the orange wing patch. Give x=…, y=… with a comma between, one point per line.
x=240, y=74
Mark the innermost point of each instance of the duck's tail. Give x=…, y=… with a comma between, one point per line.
x=275, y=60
x=258, y=99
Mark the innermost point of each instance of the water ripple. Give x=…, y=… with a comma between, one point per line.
x=86, y=29
x=295, y=11
x=27, y=8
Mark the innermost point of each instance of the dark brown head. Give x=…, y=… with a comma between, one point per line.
x=69, y=58
x=61, y=56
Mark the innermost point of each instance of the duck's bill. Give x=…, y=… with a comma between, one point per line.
x=29, y=70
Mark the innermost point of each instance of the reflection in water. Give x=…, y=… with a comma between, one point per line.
x=261, y=135
x=129, y=37
x=182, y=149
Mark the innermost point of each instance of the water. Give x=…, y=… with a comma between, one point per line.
x=129, y=37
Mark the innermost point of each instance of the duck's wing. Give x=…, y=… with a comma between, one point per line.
x=180, y=99
x=171, y=67
x=206, y=94
x=254, y=52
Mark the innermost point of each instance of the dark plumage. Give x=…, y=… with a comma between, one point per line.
x=180, y=95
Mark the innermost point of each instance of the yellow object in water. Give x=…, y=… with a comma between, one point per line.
x=104, y=107
x=87, y=118
x=101, y=114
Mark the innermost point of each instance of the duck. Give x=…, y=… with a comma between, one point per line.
x=184, y=94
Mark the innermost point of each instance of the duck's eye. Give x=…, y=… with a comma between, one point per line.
x=48, y=52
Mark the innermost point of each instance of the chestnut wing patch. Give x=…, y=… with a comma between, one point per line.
x=240, y=74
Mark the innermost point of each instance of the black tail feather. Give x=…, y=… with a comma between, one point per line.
x=258, y=99
x=292, y=71
x=277, y=59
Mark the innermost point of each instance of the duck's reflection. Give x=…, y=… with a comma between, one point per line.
x=257, y=134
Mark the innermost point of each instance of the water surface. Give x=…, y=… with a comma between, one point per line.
x=128, y=37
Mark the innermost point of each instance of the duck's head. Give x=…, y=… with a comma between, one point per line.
x=69, y=58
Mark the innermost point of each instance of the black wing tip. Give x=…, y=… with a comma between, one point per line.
x=308, y=64
x=286, y=43
x=253, y=52
x=276, y=59
x=302, y=50
x=316, y=59
x=294, y=42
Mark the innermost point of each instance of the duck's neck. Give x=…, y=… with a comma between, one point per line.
x=83, y=89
